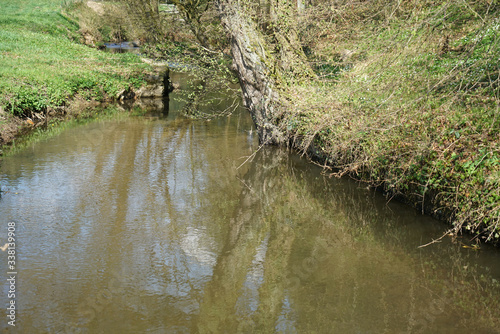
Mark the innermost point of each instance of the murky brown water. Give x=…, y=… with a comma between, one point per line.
x=146, y=225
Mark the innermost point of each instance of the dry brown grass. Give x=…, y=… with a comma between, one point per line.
x=411, y=103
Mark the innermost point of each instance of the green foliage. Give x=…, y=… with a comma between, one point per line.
x=211, y=79
x=415, y=108
x=201, y=25
x=43, y=67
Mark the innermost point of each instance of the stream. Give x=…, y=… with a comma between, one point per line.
x=157, y=223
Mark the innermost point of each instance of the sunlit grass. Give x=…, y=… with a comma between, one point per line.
x=43, y=63
x=415, y=109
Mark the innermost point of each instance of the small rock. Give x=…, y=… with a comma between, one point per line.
x=153, y=78
x=126, y=94
x=150, y=91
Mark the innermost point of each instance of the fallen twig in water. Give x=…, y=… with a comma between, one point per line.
x=450, y=231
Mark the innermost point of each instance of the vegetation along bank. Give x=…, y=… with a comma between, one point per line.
x=402, y=95
x=47, y=72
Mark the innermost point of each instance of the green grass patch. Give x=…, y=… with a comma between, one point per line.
x=43, y=65
x=416, y=109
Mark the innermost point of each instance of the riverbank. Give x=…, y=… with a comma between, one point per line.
x=47, y=71
x=407, y=100
x=135, y=192
x=404, y=97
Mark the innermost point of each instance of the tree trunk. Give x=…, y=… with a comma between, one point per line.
x=265, y=63
x=256, y=70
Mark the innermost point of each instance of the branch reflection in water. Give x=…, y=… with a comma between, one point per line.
x=147, y=224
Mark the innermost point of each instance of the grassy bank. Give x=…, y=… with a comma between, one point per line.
x=406, y=96
x=407, y=99
x=44, y=65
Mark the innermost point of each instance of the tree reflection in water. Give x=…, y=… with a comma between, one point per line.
x=331, y=260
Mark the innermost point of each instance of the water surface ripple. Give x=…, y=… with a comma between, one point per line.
x=145, y=225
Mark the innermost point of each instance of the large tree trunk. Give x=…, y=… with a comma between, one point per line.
x=256, y=70
x=264, y=63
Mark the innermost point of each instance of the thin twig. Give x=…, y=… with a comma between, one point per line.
x=251, y=156
x=439, y=239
